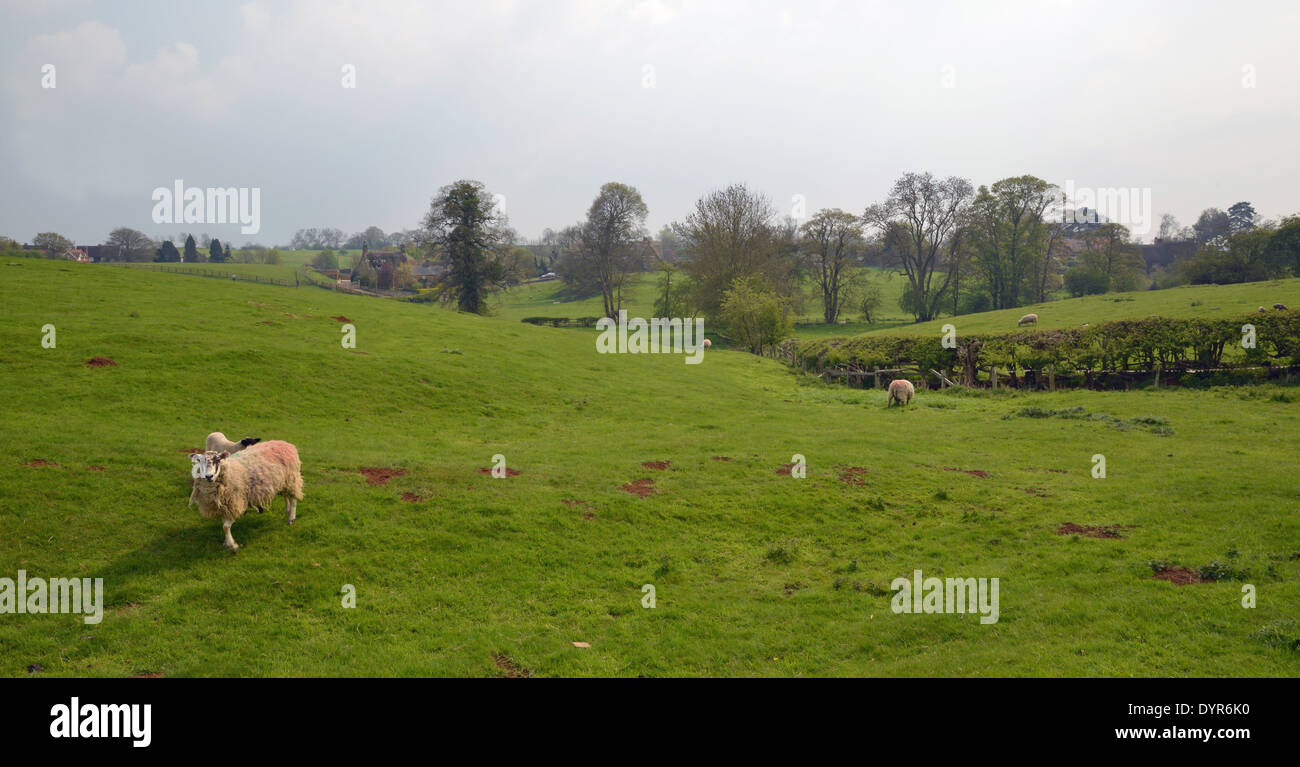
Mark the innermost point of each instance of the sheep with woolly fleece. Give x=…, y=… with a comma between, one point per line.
x=1028, y=319
x=228, y=484
x=1280, y=307
x=216, y=441
x=707, y=343
x=900, y=391
x=1262, y=310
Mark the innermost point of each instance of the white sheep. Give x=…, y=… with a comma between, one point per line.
x=217, y=442
x=1262, y=310
x=1028, y=319
x=230, y=484
x=707, y=343
x=900, y=391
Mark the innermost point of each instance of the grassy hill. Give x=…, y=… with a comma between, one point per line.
x=457, y=573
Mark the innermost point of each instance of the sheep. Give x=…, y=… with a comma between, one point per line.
x=217, y=442
x=1280, y=307
x=901, y=391
x=1262, y=310
x=1028, y=319
x=229, y=484
x=707, y=343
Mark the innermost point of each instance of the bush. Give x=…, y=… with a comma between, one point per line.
x=1082, y=281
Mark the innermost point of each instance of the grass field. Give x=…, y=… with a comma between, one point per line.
x=755, y=572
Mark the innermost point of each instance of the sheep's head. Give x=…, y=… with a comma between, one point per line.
x=250, y=441
x=207, y=465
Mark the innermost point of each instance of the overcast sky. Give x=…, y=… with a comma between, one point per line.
x=545, y=100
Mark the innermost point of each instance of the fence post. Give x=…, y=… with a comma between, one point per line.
x=993, y=371
x=876, y=376
x=1051, y=377
x=1155, y=384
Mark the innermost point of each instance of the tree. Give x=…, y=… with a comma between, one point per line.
x=191, y=250
x=1212, y=223
x=830, y=238
x=868, y=300
x=325, y=260
x=755, y=313
x=462, y=221
x=615, y=220
x=1241, y=217
x=670, y=297
x=167, y=252
x=216, y=254
x=1111, y=252
x=1284, y=245
x=133, y=244
x=52, y=243
x=1085, y=281
x=1010, y=237
x=917, y=218
x=730, y=235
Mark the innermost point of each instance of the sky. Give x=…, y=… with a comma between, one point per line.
x=817, y=104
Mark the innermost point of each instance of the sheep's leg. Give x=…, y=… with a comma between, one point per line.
x=194, y=492
x=230, y=541
x=292, y=504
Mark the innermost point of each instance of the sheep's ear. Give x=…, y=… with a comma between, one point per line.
x=224, y=455
x=247, y=441
x=194, y=457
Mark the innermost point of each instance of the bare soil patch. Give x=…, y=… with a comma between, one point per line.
x=513, y=670
x=411, y=498
x=1090, y=531
x=509, y=472
x=95, y=468
x=785, y=469
x=1181, y=576
x=719, y=458
x=99, y=362
x=852, y=475
x=378, y=476
x=39, y=462
x=973, y=472
x=340, y=318
x=657, y=465
x=641, y=488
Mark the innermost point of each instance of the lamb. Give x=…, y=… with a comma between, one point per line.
x=1280, y=307
x=902, y=391
x=229, y=484
x=217, y=442
x=1028, y=319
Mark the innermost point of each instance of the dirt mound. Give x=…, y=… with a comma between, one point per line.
x=99, y=362
x=720, y=458
x=340, y=318
x=38, y=462
x=973, y=472
x=513, y=670
x=1100, y=531
x=1181, y=576
x=411, y=498
x=640, y=488
x=785, y=469
x=378, y=476
x=657, y=465
x=509, y=472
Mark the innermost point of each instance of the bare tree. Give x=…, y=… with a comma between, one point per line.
x=917, y=218
x=829, y=240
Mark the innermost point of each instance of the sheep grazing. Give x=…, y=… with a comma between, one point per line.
x=707, y=343
x=900, y=391
x=1027, y=320
x=1280, y=307
x=217, y=442
x=1262, y=310
x=229, y=484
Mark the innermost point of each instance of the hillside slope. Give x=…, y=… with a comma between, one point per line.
x=457, y=573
